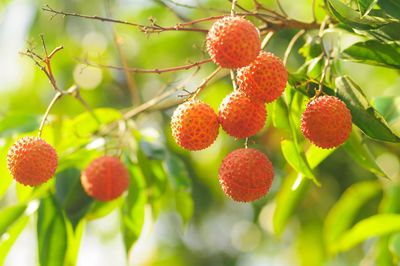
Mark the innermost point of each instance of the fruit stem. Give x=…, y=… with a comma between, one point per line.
x=291, y=45
x=56, y=97
x=205, y=81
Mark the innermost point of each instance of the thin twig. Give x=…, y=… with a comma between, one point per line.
x=291, y=45
x=233, y=7
x=153, y=28
x=281, y=8
x=46, y=114
x=205, y=81
x=156, y=70
x=313, y=10
x=266, y=39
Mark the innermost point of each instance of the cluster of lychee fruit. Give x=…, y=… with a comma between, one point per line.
x=32, y=162
x=246, y=174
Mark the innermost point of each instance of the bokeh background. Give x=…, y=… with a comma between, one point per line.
x=220, y=232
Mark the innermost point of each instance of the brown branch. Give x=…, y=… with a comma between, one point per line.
x=156, y=70
x=153, y=28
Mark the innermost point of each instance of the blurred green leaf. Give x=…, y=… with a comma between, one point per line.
x=133, y=208
x=363, y=114
x=280, y=115
x=374, y=52
x=288, y=198
x=392, y=7
x=17, y=123
x=184, y=204
x=5, y=176
x=348, y=16
x=293, y=189
x=342, y=214
x=51, y=233
x=71, y=196
x=99, y=209
x=177, y=173
x=388, y=107
x=296, y=159
x=394, y=245
x=367, y=228
x=361, y=154
x=9, y=215
x=365, y=6
x=13, y=232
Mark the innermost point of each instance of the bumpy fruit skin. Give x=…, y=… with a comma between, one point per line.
x=32, y=161
x=246, y=175
x=326, y=122
x=264, y=79
x=233, y=42
x=241, y=117
x=194, y=125
x=105, y=179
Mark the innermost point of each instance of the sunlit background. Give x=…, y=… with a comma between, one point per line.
x=221, y=232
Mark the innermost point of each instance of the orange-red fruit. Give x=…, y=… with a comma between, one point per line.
x=194, y=125
x=32, y=161
x=233, y=42
x=105, y=179
x=326, y=122
x=241, y=117
x=264, y=79
x=246, y=175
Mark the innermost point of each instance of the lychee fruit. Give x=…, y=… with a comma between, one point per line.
x=264, y=79
x=233, y=42
x=246, y=175
x=105, y=179
x=194, y=125
x=240, y=116
x=32, y=161
x=326, y=122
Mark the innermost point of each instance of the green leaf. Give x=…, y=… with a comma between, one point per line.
x=51, y=233
x=342, y=214
x=392, y=7
x=296, y=160
x=363, y=114
x=388, y=107
x=367, y=228
x=12, y=234
x=71, y=196
x=100, y=209
x=9, y=216
x=294, y=188
x=280, y=115
x=133, y=209
x=374, y=52
x=348, y=16
x=365, y=6
x=184, y=204
x=177, y=173
x=288, y=198
x=361, y=154
x=17, y=123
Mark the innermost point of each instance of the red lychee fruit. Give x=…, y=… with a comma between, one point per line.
x=105, y=179
x=194, y=125
x=233, y=42
x=326, y=122
x=264, y=79
x=246, y=175
x=32, y=161
x=241, y=117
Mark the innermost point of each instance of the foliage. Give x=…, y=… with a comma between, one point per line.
x=339, y=201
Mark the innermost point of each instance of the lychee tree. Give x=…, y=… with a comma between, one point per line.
x=266, y=106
